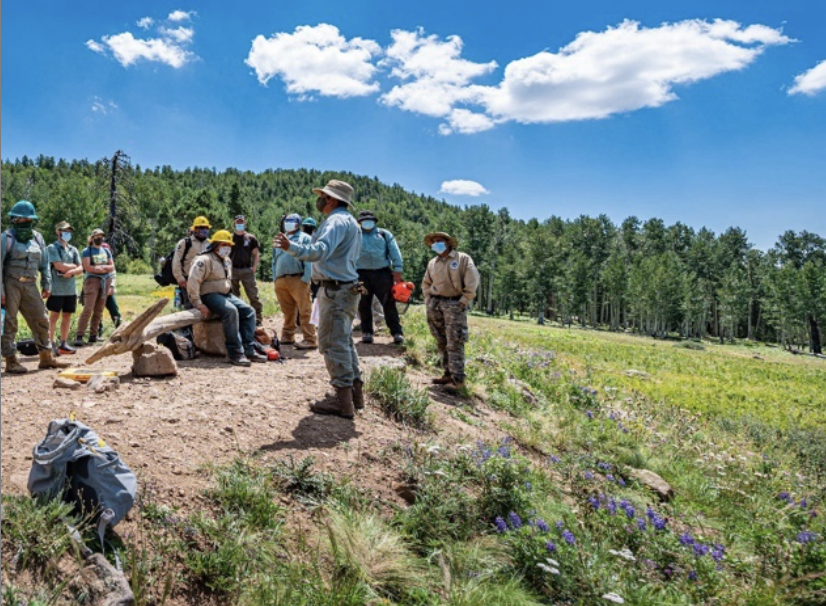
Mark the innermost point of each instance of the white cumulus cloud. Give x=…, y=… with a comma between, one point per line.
x=316, y=59
x=463, y=187
x=623, y=69
x=179, y=15
x=811, y=81
x=170, y=46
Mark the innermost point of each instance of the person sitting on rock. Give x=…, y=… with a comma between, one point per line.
x=210, y=290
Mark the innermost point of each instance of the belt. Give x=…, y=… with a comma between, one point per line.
x=440, y=298
x=290, y=276
x=25, y=279
x=335, y=284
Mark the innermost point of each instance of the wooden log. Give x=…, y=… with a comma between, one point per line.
x=145, y=327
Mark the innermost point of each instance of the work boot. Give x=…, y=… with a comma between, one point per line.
x=398, y=339
x=117, y=320
x=445, y=379
x=358, y=395
x=367, y=337
x=339, y=403
x=455, y=387
x=254, y=356
x=14, y=367
x=93, y=339
x=47, y=360
x=306, y=345
x=239, y=361
x=79, y=342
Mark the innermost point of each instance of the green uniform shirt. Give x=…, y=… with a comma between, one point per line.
x=61, y=285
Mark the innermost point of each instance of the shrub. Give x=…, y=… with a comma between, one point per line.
x=399, y=399
x=245, y=492
x=36, y=529
x=300, y=480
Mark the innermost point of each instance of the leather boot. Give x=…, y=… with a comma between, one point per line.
x=14, y=367
x=455, y=387
x=445, y=379
x=47, y=360
x=339, y=403
x=358, y=395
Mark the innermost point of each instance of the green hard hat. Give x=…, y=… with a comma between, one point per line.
x=23, y=210
x=309, y=221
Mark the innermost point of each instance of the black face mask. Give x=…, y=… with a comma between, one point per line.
x=321, y=204
x=97, y=241
x=201, y=234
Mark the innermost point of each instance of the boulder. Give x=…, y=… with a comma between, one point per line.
x=209, y=337
x=654, y=483
x=101, y=384
x=151, y=360
x=64, y=383
x=105, y=585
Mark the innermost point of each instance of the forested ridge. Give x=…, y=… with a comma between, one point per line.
x=640, y=275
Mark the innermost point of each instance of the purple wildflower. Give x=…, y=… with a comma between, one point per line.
x=718, y=553
x=609, y=477
x=589, y=475
x=624, y=430
x=594, y=502
x=550, y=546
x=804, y=504
x=700, y=550
x=621, y=482
x=630, y=512
x=560, y=525
x=604, y=466
x=542, y=526
x=686, y=539
x=641, y=524
x=806, y=536
x=785, y=496
x=515, y=520
x=589, y=414
x=501, y=525
x=555, y=459
x=612, y=507
x=568, y=536
x=692, y=576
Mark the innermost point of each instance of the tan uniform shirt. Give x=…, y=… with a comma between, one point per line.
x=452, y=276
x=196, y=249
x=209, y=274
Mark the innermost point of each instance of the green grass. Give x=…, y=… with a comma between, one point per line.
x=398, y=398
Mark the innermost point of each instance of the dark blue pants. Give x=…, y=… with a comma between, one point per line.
x=238, y=320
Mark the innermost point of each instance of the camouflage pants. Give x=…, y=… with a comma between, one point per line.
x=24, y=297
x=447, y=321
x=336, y=310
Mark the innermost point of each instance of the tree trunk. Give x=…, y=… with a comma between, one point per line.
x=814, y=332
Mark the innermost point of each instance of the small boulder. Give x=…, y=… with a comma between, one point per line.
x=654, y=483
x=153, y=361
x=101, y=384
x=637, y=373
x=64, y=383
x=106, y=585
x=209, y=338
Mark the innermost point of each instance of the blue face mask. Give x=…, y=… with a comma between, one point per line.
x=66, y=236
x=240, y=227
x=290, y=226
x=368, y=225
x=438, y=247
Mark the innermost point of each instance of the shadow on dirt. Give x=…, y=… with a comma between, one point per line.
x=316, y=431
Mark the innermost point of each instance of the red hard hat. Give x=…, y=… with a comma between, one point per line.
x=402, y=291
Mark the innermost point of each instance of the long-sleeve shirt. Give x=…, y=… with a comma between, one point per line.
x=334, y=248
x=452, y=276
x=379, y=249
x=209, y=273
x=181, y=264
x=284, y=264
x=24, y=260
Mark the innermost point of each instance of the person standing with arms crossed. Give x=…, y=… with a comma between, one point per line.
x=246, y=254
x=333, y=251
x=62, y=302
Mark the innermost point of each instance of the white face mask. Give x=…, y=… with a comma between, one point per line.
x=224, y=251
x=290, y=226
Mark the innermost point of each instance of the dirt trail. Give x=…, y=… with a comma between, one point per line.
x=167, y=429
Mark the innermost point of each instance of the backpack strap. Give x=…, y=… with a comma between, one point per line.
x=9, y=241
x=187, y=246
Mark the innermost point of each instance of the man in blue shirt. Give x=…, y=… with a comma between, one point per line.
x=292, y=287
x=333, y=251
x=62, y=302
x=379, y=267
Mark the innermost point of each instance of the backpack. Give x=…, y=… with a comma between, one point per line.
x=74, y=461
x=181, y=347
x=166, y=276
x=27, y=347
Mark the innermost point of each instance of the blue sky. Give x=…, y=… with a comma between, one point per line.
x=709, y=113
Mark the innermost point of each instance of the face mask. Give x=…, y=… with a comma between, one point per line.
x=66, y=236
x=202, y=233
x=240, y=227
x=290, y=226
x=438, y=247
x=368, y=225
x=321, y=204
x=23, y=231
x=97, y=241
x=224, y=252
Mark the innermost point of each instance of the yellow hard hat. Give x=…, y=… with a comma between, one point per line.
x=221, y=236
x=201, y=222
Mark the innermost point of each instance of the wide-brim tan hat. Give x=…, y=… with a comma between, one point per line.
x=428, y=239
x=97, y=232
x=64, y=226
x=338, y=190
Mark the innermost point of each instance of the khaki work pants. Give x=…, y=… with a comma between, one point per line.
x=94, y=302
x=337, y=308
x=294, y=294
x=246, y=278
x=24, y=297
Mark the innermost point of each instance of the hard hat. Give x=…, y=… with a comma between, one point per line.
x=221, y=236
x=23, y=210
x=201, y=222
x=309, y=221
x=402, y=291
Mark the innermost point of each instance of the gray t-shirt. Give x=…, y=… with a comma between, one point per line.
x=61, y=285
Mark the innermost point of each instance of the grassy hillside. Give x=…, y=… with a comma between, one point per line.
x=547, y=508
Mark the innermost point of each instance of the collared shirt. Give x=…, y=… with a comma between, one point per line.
x=242, y=255
x=61, y=285
x=209, y=274
x=284, y=264
x=379, y=249
x=334, y=248
x=25, y=259
x=181, y=270
x=452, y=276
